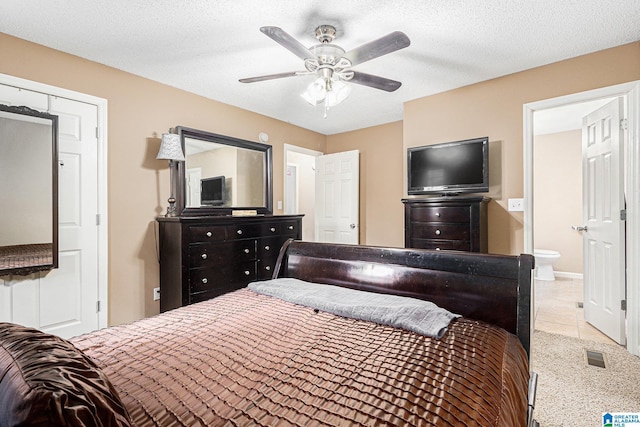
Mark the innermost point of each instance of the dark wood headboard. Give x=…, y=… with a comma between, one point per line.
x=492, y=288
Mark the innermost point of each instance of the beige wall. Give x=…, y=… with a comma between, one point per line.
x=494, y=108
x=381, y=178
x=557, y=196
x=139, y=110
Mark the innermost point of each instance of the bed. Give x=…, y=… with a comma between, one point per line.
x=249, y=358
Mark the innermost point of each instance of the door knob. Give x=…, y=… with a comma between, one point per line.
x=352, y=226
x=579, y=227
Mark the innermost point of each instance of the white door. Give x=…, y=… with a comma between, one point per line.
x=64, y=301
x=603, y=238
x=337, y=198
x=194, y=176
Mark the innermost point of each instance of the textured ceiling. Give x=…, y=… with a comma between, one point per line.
x=205, y=46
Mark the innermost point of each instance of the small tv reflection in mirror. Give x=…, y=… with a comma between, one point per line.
x=212, y=191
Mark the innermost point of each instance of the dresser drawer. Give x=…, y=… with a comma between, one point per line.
x=244, y=231
x=441, y=231
x=212, y=293
x=440, y=214
x=284, y=228
x=203, y=234
x=452, y=245
x=212, y=254
x=269, y=248
x=265, y=268
x=205, y=279
x=290, y=229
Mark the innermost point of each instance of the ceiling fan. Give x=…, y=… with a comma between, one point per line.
x=332, y=64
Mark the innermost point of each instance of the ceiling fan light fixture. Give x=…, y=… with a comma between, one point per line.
x=338, y=92
x=315, y=92
x=331, y=91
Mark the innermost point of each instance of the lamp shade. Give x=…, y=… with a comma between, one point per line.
x=170, y=148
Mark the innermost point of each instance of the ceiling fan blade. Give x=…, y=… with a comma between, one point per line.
x=382, y=46
x=284, y=39
x=272, y=76
x=375, y=81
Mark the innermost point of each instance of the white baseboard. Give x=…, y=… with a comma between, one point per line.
x=569, y=275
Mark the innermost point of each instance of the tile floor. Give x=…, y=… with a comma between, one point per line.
x=556, y=311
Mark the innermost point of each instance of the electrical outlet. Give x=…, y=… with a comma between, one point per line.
x=156, y=294
x=516, y=205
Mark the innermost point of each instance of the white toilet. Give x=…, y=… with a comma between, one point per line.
x=545, y=259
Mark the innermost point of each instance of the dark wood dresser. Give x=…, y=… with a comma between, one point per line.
x=446, y=223
x=204, y=257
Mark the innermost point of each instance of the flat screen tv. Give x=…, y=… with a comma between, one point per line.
x=212, y=191
x=450, y=168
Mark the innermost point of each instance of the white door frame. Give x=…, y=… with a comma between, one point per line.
x=631, y=92
x=287, y=179
x=289, y=148
x=103, y=236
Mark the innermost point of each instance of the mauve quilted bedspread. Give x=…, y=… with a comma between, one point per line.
x=248, y=359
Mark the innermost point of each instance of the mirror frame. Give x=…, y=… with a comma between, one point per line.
x=30, y=269
x=183, y=210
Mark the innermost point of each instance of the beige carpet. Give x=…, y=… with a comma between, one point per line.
x=572, y=393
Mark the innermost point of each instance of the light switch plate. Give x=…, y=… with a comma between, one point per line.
x=516, y=205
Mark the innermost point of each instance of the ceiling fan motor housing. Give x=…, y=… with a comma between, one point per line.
x=327, y=53
x=325, y=33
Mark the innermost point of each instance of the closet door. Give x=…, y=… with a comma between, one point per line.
x=63, y=301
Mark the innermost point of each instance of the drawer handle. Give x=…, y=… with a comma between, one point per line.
x=268, y=268
x=239, y=231
x=438, y=214
x=273, y=229
x=209, y=234
x=437, y=249
x=204, y=256
x=438, y=232
x=247, y=272
x=291, y=227
x=246, y=251
x=204, y=280
x=267, y=248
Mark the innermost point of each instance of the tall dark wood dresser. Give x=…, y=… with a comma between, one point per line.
x=446, y=223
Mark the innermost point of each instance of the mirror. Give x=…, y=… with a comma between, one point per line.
x=29, y=189
x=222, y=174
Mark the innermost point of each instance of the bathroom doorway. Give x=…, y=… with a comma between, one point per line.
x=557, y=184
x=557, y=207
x=531, y=116
x=300, y=185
